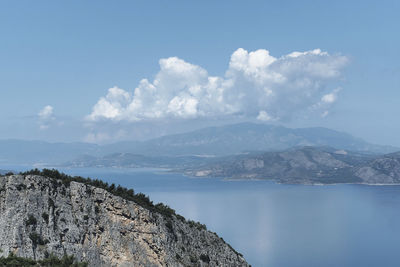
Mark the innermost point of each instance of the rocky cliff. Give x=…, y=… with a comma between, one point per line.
x=41, y=216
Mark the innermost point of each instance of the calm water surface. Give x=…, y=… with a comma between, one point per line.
x=280, y=225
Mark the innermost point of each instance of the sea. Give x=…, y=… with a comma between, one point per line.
x=278, y=224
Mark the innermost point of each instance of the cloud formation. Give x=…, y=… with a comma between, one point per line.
x=45, y=117
x=255, y=85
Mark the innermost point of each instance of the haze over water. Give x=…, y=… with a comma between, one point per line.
x=280, y=225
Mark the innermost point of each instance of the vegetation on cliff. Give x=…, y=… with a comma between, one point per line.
x=127, y=194
x=51, y=213
x=50, y=261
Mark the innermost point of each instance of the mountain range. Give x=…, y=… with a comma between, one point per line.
x=212, y=141
x=244, y=137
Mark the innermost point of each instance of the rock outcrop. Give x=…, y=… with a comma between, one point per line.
x=40, y=216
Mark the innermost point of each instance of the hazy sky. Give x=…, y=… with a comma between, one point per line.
x=103, y=71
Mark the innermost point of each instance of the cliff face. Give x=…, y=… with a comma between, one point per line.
x=39, y=215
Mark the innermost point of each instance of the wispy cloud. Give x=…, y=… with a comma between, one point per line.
x=255, y=85
x=45, y=116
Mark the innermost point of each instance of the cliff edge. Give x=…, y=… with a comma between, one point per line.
x=41, y=216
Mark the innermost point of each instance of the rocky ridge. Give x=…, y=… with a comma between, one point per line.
x=42, y=216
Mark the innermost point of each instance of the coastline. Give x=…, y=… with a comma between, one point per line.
x=164, y=170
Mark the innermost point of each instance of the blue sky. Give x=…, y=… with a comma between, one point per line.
x=67, y=54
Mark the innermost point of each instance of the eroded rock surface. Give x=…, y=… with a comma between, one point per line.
x=39, y=215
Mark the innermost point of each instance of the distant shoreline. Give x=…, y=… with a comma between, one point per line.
x=161, y=170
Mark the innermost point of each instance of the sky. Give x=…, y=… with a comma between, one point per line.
x=104, y=71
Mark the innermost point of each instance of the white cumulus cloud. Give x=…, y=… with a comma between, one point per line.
x=255, y=85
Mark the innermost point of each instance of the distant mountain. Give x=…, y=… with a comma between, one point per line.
x=307, y=165
x=244, y=137
x=36, y=152
x=211, y=141
x=129, y=160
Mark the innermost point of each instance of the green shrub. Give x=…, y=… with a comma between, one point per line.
x=169, y=226
x=51, y=204
x=45, y=217
x=193, y=259
x=31, y=220
x=20, y=187
x=197, y=225
x=37, y=239
x=50, y=261
x=204, y=258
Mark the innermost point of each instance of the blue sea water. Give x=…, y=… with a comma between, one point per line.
x=280, y=225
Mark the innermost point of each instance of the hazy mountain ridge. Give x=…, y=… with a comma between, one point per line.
x=27, y=152
x=307, y=165
x=242, y=137
x=215, y=141
x=129, y=160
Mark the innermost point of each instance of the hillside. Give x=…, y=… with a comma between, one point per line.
x=307, y=165
x=102, y=225
x=380, y=170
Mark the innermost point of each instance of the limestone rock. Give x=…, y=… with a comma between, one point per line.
x=39, y=215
